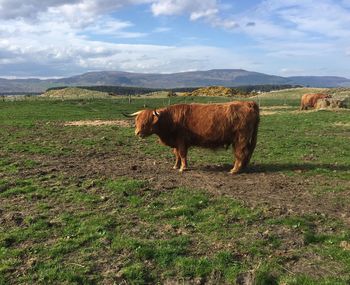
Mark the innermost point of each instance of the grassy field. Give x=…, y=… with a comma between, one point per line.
x=95, y=205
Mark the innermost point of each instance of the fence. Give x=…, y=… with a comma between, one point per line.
x=165, y=101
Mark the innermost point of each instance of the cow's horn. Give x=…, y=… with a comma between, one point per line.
x=132, y=115
x=155, y=113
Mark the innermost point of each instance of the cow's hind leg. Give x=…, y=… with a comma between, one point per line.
x=183, y=155
x=242, y=153
x=177, y=159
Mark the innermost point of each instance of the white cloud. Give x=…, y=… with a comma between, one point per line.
x=207, y=10
x=291, y=72
x=58, y=37
x=326, y=18
x=10, y=9
x=81, y=56
x=36, y=49
x=161, y=30
x=30, y=9
x=67, y=36
x=80, y=13
x=177, y=7
x=295, y=28
x=203, y=14
x=112, y=27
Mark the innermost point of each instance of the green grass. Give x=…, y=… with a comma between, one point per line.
x=308, y=142
x=64, y=224
x=182, y=233
x=293, y=93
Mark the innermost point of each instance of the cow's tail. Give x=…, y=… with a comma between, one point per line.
x=254, y=130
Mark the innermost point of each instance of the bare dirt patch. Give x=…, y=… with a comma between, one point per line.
x=275, y=110
x=93, y=123
x=263, y=185
x=276, y=107
x=267, y=113
x=272, y=110
x=342, y=124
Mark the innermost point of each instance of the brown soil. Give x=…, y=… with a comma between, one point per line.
x=267, y=113
x=276, y=107
x=119, y=123
x=341, y=124
x=262, y=186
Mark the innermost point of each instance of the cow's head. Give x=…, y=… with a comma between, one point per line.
x=145, y=122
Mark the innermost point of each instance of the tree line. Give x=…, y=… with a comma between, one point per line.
x=133, y=91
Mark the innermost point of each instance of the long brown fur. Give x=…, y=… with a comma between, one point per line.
x=204, y=125
x=310, y=100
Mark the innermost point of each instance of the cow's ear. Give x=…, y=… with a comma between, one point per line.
x=155, y=113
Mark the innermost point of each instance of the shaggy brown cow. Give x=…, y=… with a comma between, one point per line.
x=204, y=125
x=309, y=100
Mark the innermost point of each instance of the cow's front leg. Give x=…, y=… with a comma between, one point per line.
x=242, y=154
x=177, y=159
x=183, y=155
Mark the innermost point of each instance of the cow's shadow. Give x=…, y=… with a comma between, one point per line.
x=278, y=167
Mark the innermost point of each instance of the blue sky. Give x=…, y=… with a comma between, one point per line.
x=56, y=38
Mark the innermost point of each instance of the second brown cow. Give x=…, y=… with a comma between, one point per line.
x=310, y=100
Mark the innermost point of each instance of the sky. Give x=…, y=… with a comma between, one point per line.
x=60, y=38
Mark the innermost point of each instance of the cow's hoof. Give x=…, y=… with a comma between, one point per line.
x=182, y=170
x=176, y=167
x=234, y=171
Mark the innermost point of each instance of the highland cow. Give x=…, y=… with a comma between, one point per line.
x=310, y=100
x=203, y=125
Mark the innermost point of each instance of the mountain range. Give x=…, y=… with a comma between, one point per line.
x=215, y=77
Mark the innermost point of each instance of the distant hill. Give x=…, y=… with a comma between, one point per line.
x=320, y=81
x=215, y=77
